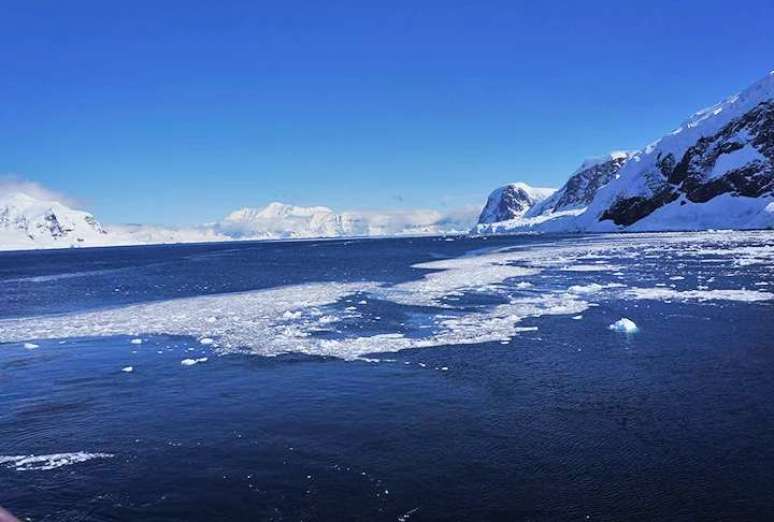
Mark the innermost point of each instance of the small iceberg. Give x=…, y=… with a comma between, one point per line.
x=624, y=325
x=191, y=362
x=31, y=346
x=127, y=369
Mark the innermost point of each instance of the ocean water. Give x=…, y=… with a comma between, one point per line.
x=391, y=379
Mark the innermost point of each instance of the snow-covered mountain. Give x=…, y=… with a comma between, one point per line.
x=512, y=201
x=278, y=220
x=554, y=209
x=583, y=185
x=714, y=171
x=27, y=222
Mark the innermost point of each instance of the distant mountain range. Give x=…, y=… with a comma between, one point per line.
x=714, y=171
x=28, y=222
x=278, y=220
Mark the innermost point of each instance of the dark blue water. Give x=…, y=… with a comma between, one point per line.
x=571, y=421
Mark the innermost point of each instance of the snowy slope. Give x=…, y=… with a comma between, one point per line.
x=727, y=149
x=512, y=201
x=714, y=171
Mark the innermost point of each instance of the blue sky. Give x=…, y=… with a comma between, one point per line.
x=179, y=112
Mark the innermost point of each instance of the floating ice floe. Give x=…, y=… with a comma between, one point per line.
x=624, y=325
x=48, y=462
x=127, y=369
x=591, y=268
x=662, y=293
x=191, y=362
x=253, y=321
x=31, y=346
x=136, y=341
x=455, y=276
x=592, y=288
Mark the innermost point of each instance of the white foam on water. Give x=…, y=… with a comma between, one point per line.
x=58, y=277
x=48, y=462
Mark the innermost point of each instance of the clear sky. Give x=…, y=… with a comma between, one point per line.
x=178, y=112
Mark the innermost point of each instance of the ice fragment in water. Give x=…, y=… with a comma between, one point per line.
x=624, y=325
x=191, y=362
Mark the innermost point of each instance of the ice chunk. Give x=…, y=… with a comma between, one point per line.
x=191, y=362
x=206, y=341
x=624, y=325
x=127, y=369
x=136, y=341
x=31, y=346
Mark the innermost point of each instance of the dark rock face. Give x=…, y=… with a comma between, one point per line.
x=630, y=210
x=693, y=175
x=581, y=188
x=54, y=227
x=508, y=202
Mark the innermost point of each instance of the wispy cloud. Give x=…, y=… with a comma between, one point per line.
x=15, y=183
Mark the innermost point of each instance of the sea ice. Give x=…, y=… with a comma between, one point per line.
x=661, y=293
x=290, y=319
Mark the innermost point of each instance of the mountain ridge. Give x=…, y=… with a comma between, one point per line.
x=725, y=151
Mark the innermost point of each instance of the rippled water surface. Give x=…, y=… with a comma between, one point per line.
x=394, y=379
